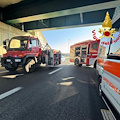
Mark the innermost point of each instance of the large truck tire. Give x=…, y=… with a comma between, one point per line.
x=80, y=65
x=29, y=66
x=76, y=62
x=95, y=64
x=11, y=69
x=39, y=59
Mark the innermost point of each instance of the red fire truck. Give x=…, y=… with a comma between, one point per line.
x=27, y=51
x=84, y=53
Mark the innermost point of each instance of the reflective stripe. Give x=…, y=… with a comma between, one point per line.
x=100, y=61
x=112, y=67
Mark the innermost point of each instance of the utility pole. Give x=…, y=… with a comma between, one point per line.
x=68, y=45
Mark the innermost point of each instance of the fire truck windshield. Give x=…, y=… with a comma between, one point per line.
x=18, y=43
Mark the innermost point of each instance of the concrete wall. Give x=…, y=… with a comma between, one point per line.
x=7, y=32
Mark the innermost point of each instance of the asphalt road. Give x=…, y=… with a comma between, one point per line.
x=67, y=94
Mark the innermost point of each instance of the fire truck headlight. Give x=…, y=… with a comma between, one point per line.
x=17, y=60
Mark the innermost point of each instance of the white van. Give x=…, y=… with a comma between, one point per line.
x=108, y=67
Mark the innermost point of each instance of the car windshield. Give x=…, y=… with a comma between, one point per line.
x=18, y=43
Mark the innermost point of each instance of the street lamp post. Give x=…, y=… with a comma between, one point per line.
x=68, y=45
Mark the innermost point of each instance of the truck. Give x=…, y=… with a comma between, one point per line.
x=108, y=62
x=84, y=53
x=27, y=51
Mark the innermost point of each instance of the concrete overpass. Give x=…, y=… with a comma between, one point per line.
x=55, y=14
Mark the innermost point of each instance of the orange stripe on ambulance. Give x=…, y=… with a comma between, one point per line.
x=112, y=85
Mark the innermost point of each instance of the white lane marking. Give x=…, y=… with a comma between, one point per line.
x=8, y=71
x=10, y=92
x=4, y=71
x=12, y=76
x=108, y=108
x=54, y=71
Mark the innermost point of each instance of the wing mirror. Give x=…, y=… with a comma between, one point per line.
x=5, y=43
x=30, y=40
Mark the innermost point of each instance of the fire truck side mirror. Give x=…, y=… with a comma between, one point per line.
x=4, y=42
x=30, y=40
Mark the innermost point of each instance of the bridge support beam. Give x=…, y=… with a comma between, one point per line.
x=69, y=20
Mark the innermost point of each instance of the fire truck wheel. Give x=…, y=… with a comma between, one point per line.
x=95, y=64
x=77, y=63
x=39, y=59
x=80, y=65
x=74, y=62
x=29, y=66
x=11, y=69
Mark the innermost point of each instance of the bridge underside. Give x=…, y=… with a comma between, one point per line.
x=56, y=14
x=76, y=20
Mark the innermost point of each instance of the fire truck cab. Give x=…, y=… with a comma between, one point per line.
x=84, y=53
x=27, y=51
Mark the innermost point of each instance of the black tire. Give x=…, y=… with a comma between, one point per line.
x=43, y=60
x=39, y=59
x=11, y=69
x=100, y=90
x=95, y=64
x=80, y=65
x=77, y=63
x=30, y=68
x=99, y=86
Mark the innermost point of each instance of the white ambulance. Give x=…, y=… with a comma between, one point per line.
x=108, y=64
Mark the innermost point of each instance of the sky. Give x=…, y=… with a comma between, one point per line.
x=62, y=39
